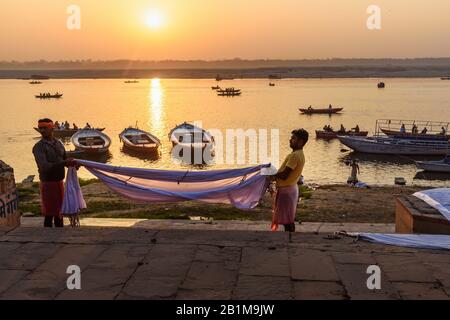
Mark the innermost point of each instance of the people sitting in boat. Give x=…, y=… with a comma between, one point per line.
x=342, y=129
x=327, y=128
x=402, y=129
x=310, y=108
x=414, y=129
x=443, y=131
x=75, y=126
x=57, y=126
x=88, y=126
x=330, y=106
x=424, y=131
x=356, y=129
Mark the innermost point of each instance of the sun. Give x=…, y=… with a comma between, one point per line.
x=154, y=19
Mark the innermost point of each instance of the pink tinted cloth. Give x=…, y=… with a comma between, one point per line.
x=285, y=206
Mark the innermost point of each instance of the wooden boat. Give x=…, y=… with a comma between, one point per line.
x=434, y=166
x=408, y=135
x=190, y=136
x=91, y=141
x=320, y=134
x=66, y=133
x=35, y=82
x=272, y=84
x=445, y=78
x=381, y=85
x=52, y=96
x=138, y=140
x=321, y=111
x=386, y=145
x=215, y=88
x=229, y=92
x=131, y=81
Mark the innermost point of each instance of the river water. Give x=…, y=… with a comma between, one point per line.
x=157, y=105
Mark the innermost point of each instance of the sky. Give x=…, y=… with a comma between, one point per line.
x=214, y=30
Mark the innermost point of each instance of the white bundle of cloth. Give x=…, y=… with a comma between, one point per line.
x=73, y=197
x=242, y=188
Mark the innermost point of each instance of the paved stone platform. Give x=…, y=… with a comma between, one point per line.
x=308, y=227
x=170, y=263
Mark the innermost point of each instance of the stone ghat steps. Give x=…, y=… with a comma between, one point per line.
x=144, y=263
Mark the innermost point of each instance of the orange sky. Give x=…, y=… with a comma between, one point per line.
x=212, y=29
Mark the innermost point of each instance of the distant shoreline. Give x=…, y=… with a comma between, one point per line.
x=259, y=73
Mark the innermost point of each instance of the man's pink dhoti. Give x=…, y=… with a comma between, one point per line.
x=285, y=206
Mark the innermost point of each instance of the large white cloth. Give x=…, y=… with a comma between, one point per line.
x=242, y=188
x=73, y=198
x=421, y=241
x=438, y=199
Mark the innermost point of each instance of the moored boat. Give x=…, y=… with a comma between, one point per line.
x=139, y=140
x=91, y=141
x=445, y=78
x=320, y=134
x=189, y=135
x=320, y=111
x=434, y=166
x=386, y=145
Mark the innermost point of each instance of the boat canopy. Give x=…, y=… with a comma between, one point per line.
x=395, y=125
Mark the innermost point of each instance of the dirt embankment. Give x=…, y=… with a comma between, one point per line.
x=333, y=203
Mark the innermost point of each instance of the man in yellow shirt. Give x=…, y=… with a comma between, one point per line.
x=286, y=197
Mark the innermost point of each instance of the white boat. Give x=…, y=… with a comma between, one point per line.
x=138, y=140
x=91, y=141
x=434, y=166
x=384, y=145
x=190, y=136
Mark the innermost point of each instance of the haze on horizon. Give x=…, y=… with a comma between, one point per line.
x=212, y=30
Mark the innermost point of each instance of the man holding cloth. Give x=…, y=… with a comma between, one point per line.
x=50, y=156
x=286, y=197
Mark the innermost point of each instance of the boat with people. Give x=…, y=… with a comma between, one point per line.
x=131, y=81
x=191, y=136
x=381, y=85
x=329, y=110
x=35, y=82
x=271, y=84
x=327, y=134
x=49, y=96
x=413, y=129
x=138, y=140
x=229, y=92
x=435, y=166
x=445, y=78
x=215, y=87
x=91, y=141
x=386, y=145
x=66, y=133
